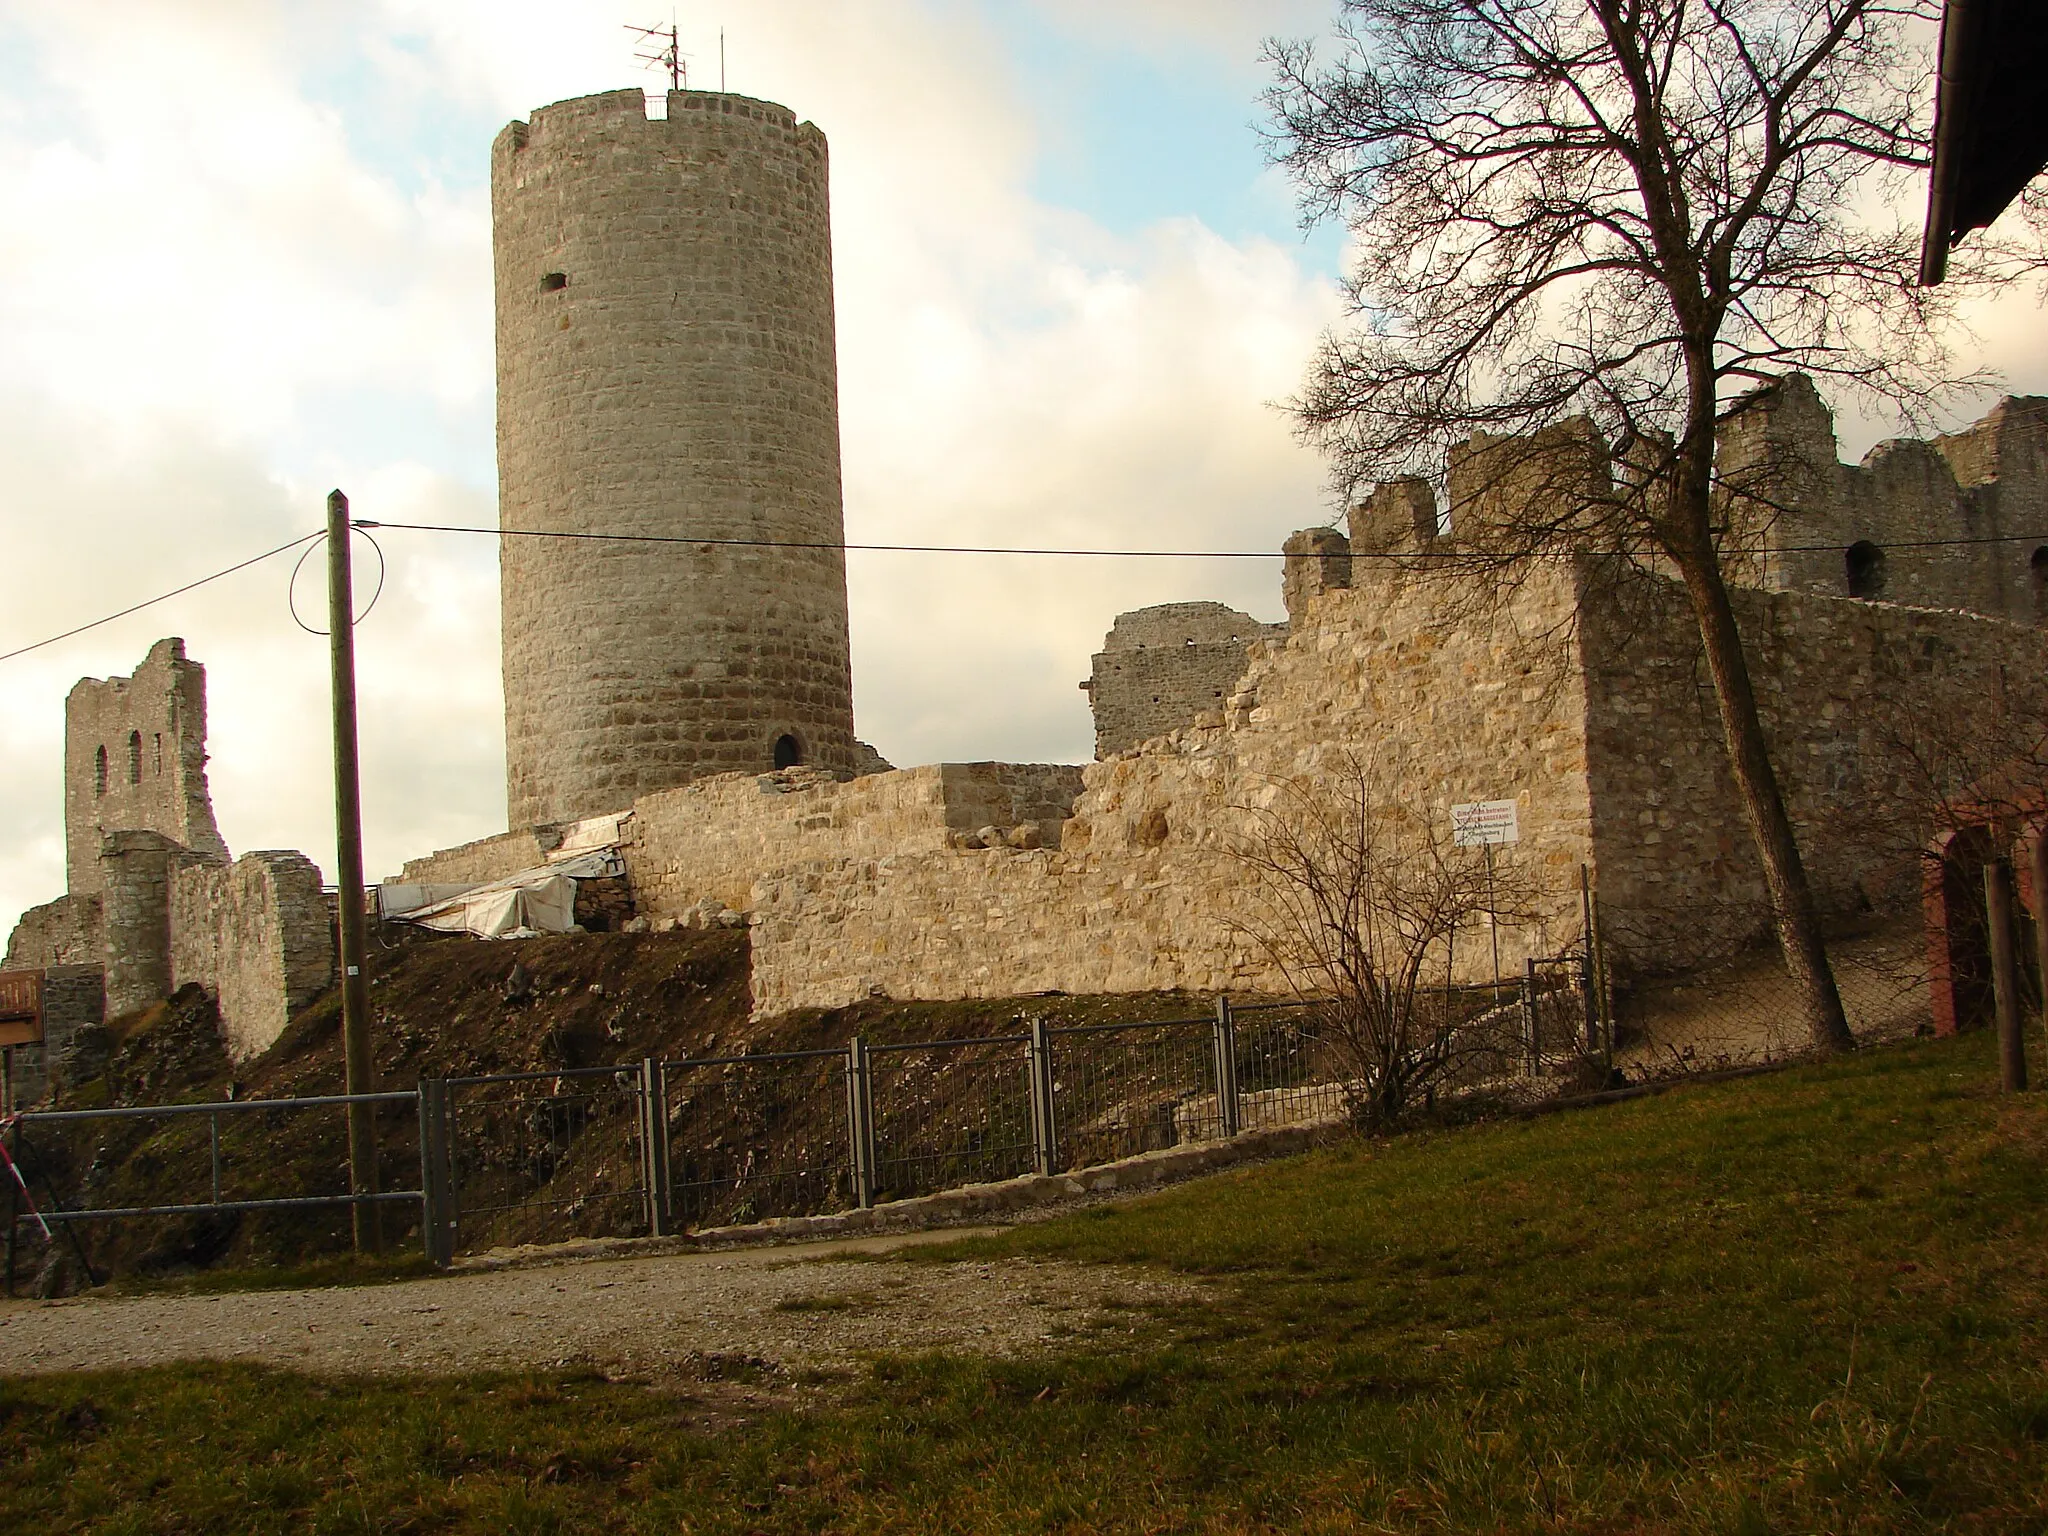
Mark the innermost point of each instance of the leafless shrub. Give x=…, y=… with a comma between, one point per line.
x=1362, y=898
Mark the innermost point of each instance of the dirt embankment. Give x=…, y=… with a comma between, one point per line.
x=447, y=1007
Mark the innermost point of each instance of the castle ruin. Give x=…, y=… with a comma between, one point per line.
x=681, y=697
x=152, y=900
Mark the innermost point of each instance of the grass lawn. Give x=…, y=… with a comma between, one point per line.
x=1810, y=1301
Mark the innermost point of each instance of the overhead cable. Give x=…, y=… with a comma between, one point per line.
x=1120, y=554
x=163, y=597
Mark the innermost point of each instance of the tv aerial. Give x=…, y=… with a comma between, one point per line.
x=661, y=48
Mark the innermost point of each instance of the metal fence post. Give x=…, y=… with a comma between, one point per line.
x=1530, y=1035
x=1224, y=1041
x=1589, y=1000
x=437, y=1183
x=654, y=1145
x=1044, y=1121
x=860, y=1121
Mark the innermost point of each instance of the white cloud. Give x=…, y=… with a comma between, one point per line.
x=223, y=296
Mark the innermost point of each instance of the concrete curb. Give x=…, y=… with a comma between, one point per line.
x=969, y=1205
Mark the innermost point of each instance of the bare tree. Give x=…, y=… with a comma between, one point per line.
x=1636, y=211
x=1361, y=898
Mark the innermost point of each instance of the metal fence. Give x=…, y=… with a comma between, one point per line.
x=225, y=1149
x=658, y=1146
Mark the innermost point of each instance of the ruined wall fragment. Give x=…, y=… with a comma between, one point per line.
x=713, y=839
x=1160, y=667
x=257, y=935
x=135, y=760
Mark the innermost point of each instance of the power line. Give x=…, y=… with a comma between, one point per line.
x=162, y=597
x=819, y=544
x=1121, y=554
x=909, y=549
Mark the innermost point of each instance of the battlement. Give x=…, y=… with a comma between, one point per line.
x=612, y=112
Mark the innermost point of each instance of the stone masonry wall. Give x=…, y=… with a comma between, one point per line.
x=1835, y=679
x=1158, y=667
x=1802, y=509
x=74, y=1009
x=67, y=931
x=135, y=760
x=480, y=862
x=135, y=883
x=258, y=936
x=714, y=838
x=1579, y=696
x=666, y=365
x=1143, y=893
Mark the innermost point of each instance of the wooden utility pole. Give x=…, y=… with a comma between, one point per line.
x=2005, y=975
x=360, y=1065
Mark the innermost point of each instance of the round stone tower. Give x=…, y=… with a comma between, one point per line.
x=666, y=367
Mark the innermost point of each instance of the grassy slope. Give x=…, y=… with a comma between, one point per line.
x=1809, y=1301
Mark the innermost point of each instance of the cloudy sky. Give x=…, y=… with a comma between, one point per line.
x=244, y=258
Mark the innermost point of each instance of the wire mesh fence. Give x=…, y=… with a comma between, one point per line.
x=207, y=1174
x=555, y=1154
x=699, y=1143
x=948, y=1113
x=756, y=1136
x=1289, y=1070
x=1122, y=1089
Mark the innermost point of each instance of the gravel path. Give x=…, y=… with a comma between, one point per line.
x=779, y=1307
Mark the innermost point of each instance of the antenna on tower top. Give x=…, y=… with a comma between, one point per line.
x=662, y=49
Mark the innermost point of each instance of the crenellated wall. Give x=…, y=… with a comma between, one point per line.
x=1799, y=511
x=1579, y=694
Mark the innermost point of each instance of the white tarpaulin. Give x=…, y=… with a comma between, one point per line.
x=531, y=902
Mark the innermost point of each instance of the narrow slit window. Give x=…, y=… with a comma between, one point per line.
x=135, y=757
x=99, y=772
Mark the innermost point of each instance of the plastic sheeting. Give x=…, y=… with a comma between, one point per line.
x=534, y=901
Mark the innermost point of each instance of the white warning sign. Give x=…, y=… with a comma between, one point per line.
x=1480, y=822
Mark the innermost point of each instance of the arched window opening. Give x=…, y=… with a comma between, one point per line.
x=135, y=757
x=159, y=769
x=2038, y=569
x=1865, y=563
x=789, y=752
x=99, y=772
